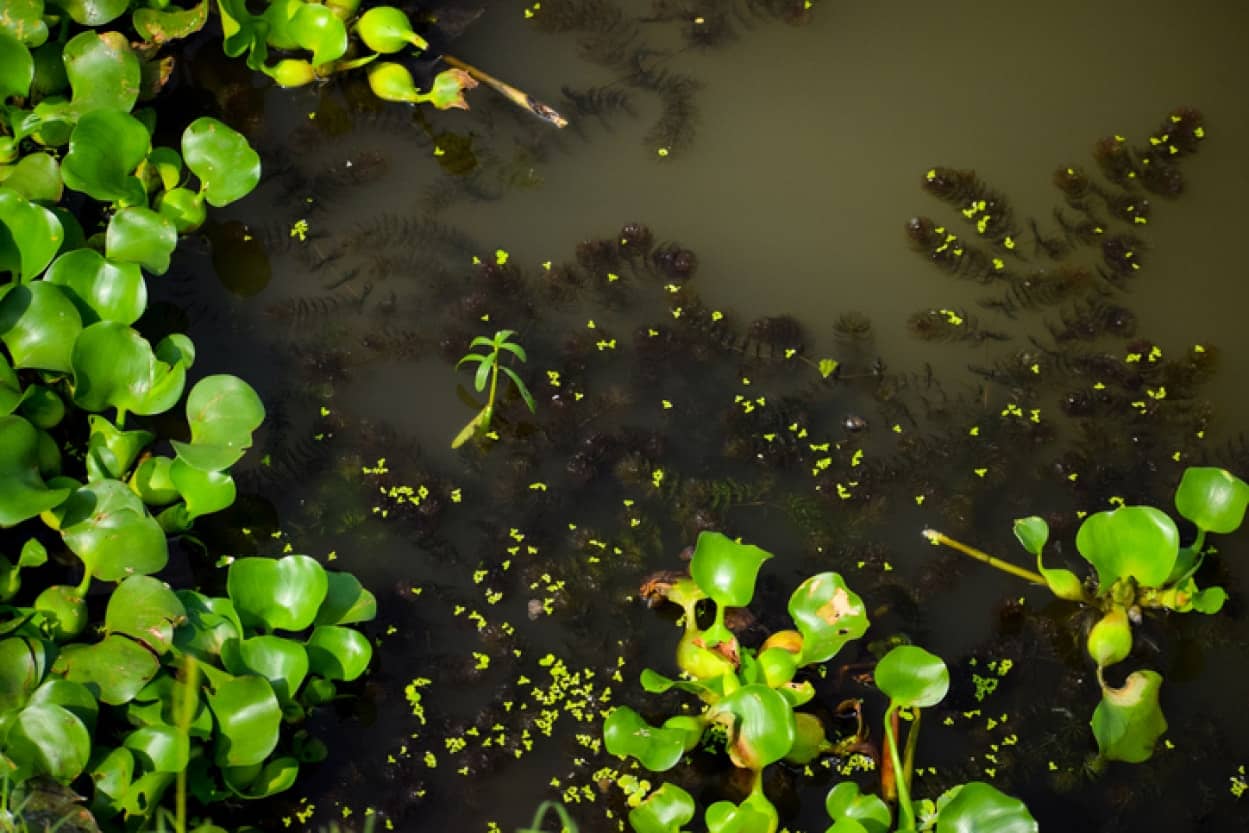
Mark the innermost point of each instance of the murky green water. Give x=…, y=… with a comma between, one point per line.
x=791, y=178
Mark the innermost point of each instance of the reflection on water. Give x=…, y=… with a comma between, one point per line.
x=783, y=186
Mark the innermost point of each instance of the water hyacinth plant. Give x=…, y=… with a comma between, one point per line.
x=1139, y=566
x=753, y=696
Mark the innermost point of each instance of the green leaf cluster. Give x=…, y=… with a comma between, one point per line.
x=489, y=364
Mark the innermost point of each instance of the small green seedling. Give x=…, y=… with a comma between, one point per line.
x=488, y=366
x=1140, y=565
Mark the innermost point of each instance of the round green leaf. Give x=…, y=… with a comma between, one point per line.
x=23, y=493
x=23, y=19
x=726, y=570
x=107, y=526
x=222, y=411
x=227, y=167
x=160, y=748
x=73, y=697
x=94, y=12
x=338, y=653
x=1128, y=721
x=102, y=290
x=104, y=150
x=153, y=481
x=283, y=662
x=111, y=452
x=346, y=601
x=23, y=662
x=626, y=733
x=17, y=67
x=205, y=492
x=143, y=236
x=1032, y=533
x=1137, y=541
x=1213, y=499
x=827, y=614
x=145, y=609
x=113, y=774
x=1210, y=600
x=274, y=777
x=281, y=594
x=37, y=177
x=211, y=623
x=159, y=26
x=845, y=801
x=113, y=367
x=978, y=807
x=318, y=30
x=184, y=208
x=910, y=676
x=248, y=721
x=103, y=72
x=279, y=16
x=114, y=669
x=48, y=740
x=39, y=324
x=30, y=235
x=666, y=810
x=64, y=609
x=761, y=725
x=754, y=815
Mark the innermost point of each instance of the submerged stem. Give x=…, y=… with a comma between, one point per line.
x=1005, y=566
x=906, y=813
x=520, y=98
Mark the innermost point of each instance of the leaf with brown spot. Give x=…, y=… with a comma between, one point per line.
x=828, y=614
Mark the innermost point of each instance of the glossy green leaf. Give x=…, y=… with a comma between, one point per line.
x=114, y=669
x=1128, y=721
x=222, y=411
x=104, y=150
x=665, y=810
x=211, y=623
x=48, y=740
x=318, y=30
x=390, y=81
x=103, y=72
x=346, y=601
x=37, y=177
x=725, y=569
x=111, y=452
x=112, y=773
x=23, y=19
x=227, y=167
x=280, y=593
x=23, y=662
x=657, y=683
x=161, y=26
x=448, y=90
x=760, y=723
x=827, y=614
x=73, y=697
x=845, y=801
x=1137, y=541
x=115, y=367
x=39, y=324
x=143, y=236
x=754, y=815
x=153, y=481
x=1209, y=600
x=279, y=15
x=275, y=776
x=42, y=407
x=205, y=492
x=101, y=290
x=283, y=662
x=160, y=748
x=912, y=677
x=1213, y=499
x=386, y=29
x=626, y=733
x=1033, y=533
x=777, y=666
x=338, y=653
x=977, y=807
x=184, y=208
x=17, y=67
x=248, y=721
x=30, y=235
x=64, y=610
x=107, y=526
x=145, y=609
x=94, y=12
x=23, y=493
x=810, y=739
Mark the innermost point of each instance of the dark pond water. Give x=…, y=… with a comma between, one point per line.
x=794, y=152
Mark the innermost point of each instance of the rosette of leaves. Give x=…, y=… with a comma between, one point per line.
x=180, y=681
x=751, y=694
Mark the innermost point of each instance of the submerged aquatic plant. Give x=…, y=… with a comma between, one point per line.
x=488, y=365
x=1139, y=564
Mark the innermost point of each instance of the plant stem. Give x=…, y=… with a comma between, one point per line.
x=1005, y=566
x=518, y=97
x=912, y=741
x=906, y=813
